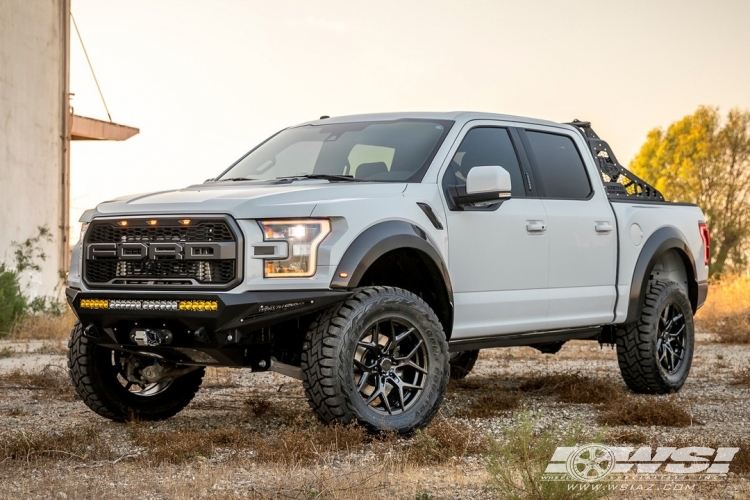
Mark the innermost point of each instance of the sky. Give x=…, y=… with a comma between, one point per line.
x=206, y=81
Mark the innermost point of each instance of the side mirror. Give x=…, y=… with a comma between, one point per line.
x=484, y=186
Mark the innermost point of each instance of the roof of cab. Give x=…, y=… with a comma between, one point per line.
x=446, y=115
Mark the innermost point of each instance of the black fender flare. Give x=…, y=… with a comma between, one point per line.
x=660, y=241
x=384, y=237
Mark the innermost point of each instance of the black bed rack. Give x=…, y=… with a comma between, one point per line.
x=620, y=182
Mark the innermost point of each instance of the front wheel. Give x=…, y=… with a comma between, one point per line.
x=380, y=358
x=655, y=352
x=122, y=386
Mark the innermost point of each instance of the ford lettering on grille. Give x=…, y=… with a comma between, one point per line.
x=166, y=254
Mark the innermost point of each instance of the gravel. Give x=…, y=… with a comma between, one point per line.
x=709, y=396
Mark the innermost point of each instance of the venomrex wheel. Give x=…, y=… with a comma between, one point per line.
x=380, y=358
x=122, y=386
x=655, y=352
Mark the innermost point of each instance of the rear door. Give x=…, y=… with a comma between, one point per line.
x=498, y=255
x=581, y=230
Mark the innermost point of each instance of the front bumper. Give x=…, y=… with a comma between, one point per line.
x=229, y=335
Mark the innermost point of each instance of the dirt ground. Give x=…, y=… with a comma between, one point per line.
x=45, y=455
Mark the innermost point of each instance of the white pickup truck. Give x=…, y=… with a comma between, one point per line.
x=372, y=257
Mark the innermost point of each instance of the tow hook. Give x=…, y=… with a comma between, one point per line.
x=151, y=337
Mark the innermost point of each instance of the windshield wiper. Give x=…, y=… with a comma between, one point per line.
x=237, y=179
x=328, y=177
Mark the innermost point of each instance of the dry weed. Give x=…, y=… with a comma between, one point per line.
x=6, y=352
x=727, y=310
x=489, y=405
x=257, y=406
x=52, y=379
x=82, y=443
x=297, y=445
x=219, y=378
x=627, y=436
x=573, y=388
x=647, y=411
x=290, y=446
x=467, y=384
x=442, y=440
x=497, y=353
x=742, y=378
x=45, y=327
x=741, y=462
x=177, y=446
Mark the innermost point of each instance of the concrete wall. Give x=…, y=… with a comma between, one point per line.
x=33, y=95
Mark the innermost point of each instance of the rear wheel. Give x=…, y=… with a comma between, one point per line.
x=123, y=386
x=656, y=351
x=380, y=358
x=462, y=363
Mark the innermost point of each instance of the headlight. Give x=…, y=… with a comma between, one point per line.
x=303, y=237
x=84, y=227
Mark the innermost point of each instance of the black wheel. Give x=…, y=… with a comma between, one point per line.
x=656, y=351
x=462, y=363
x=380, y=358
x=116, y=384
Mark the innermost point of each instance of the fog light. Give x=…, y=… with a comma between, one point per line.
x=94, y=304
x=198, y=305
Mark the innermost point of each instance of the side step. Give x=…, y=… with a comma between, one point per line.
x=521, y=339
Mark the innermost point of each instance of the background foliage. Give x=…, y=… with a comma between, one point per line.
x=705, y=160
x=15, y=304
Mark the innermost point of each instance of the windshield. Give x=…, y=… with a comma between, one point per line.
x=395, y=151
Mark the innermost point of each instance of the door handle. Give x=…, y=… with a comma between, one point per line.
x=535, y=226
x=603, y=227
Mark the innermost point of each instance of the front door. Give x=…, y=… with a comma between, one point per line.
x=498, y=256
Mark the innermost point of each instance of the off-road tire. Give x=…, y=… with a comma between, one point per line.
x=330, y=347
x=462, y=363
x=95, y=381
x=637, y=342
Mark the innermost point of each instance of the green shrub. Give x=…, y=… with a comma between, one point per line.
x=516, y=461
x=13, y=304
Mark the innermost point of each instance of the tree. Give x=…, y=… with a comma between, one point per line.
x=700, y=159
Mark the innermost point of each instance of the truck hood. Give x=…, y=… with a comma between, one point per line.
x=246, y=200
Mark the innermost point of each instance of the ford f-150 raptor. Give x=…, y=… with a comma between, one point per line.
x=372, y=256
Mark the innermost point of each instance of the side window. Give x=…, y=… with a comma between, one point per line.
x=560, y=166
x=484, y=146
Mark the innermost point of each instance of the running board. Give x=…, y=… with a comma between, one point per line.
x=522, y=339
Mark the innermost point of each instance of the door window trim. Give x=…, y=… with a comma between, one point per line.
x=523, y=163
x=534, y=164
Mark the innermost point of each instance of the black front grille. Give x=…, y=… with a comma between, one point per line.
x=110, y=232
x=207, y=272
x=111, y=261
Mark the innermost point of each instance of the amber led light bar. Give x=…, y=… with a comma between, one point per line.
x=150, y=305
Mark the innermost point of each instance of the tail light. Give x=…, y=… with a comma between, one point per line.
x=706, y=237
